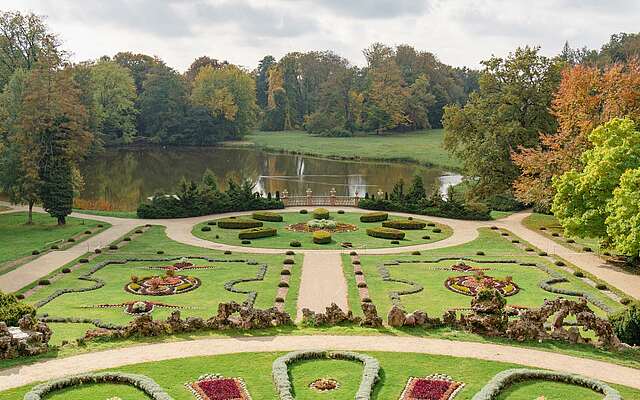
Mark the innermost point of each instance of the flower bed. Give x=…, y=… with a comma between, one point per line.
x=469, y=285
x=324, y=385
x=405, y=224
x=432, y=387
x=267, y=216
x=322, y=225
x=216, y=387
x=163, y=285
x=386, y=233
x=257, y=233
x=238, y=223
x=377, y=216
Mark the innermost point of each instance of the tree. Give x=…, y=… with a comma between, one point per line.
x=191, y=73
x=418, y=104
x=163, y=104
x=623, y=221
x=139, y=65
x=262, y=80
x=115, y=95
x=417, y=191
x=582, y=199
x=229, y=94
x=587, y=97
x=386, y=97
x=509, y=110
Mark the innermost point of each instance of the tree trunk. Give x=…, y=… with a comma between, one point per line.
x=30, y=214
x=61, y=220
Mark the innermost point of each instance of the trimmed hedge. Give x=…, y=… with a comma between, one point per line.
x=295, y=243
x=267, y=216
x=321, y=213
x=257, y=233
x=386, y=233
x=377, y=216
x=238, y=223
x=404, y=224
x=321, y=237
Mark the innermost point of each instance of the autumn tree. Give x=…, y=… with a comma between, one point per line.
x=203, y=61
x=386, y=95
x=508, y=111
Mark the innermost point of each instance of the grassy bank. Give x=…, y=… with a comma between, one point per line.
x=424, y=147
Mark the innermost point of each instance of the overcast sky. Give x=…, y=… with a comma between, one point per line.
x=459, y=32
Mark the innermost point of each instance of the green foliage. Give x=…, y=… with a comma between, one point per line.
x=374, y=217
x=256, y=233
x=626, y=324
x=11, y=310
x=267, y=216
x=623, y=221
x=386, y=233
x=404, y=224
x=320, y=213
x=163, y=106
x=238, y=223
x=321, y=237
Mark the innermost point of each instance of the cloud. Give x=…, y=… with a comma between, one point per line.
x=375, y=9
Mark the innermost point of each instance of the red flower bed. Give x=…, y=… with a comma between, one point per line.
x=218, y=388
x=435, y=387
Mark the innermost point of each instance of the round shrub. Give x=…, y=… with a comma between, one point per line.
x=410, y=218
x=285, y=272
x=66, y=270
x=578, y=274
x=366, y=300
x=431, y=224
x=560, y=263
x=83, y=260
x=377, y=216
x=97, y=251
x=127, y=239
x=295, y=243
x=426, y=237
x=515, y=241
x=362, y=285
x=353, y=253
x=626, y=324
x=212, y=223
x=415, y=253
x=44, y=282
x=160, y=252
x=20, y=296
x=100, y=226
x=355, y=262
x=358, y=272
x=405, y=224
x=542, y=228
x=480, y=253
x=587, y=249
x=289, y=261
x=11, y=310
x=303, y=211
x=238, y=223
x=290, y=252
x=601, y=286
x=321, y=237
x=217, y=236
x=283, y=284
x=113, y=247
x=227, y=252
x=505, y=234
x=87, y=232
x=267, y=216
x=385, y=233
x=35, y=252
x=570, y=241
x=625, y=301
x=206, y=229
x=257, y=233
x=495, y=228
x=395, y=242
x=528, y=249
x=55, y=247
x=279, y=300
x=543, y=254
x=340, y=211
x=555, y=234
x=71, y=240
x=606, y=253
x=321, y=213
x=436, y=230
x=245, y=241
x=138, y=231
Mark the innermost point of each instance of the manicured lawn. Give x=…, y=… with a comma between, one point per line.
x=255, y=369
x=535, y=221
x=19, y=240
x=424, y=147
x=435, y=298
x=358, y=238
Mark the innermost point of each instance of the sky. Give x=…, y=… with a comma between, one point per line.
x=459, y=32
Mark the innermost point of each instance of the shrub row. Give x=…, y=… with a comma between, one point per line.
x=445, y=209
x=256, y=233
x=238, y=223
x=251, y=295
x=377, y=216
x=267, y=216
x=404, y=224
x=386, y=233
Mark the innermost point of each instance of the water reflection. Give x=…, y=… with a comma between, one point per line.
x=124, y=177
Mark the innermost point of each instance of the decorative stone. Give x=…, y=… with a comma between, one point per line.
x=396, y=317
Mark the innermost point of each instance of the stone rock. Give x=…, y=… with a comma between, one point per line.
x=396, y=317
x=488, y=316
x=371, y=318
x=29, y=338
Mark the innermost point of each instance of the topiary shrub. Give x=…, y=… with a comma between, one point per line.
x=113, y=247
x=494, y=228
x=431, y=224
x=358, y=272
x=71, y=240
x=290, y=252
x=295, y=243
x=480, y=253
x=206, y=229
x=212, y=223
x=555, y=234
x=626, y=324
x=267, y=216
x=160, y=252
x=11, y=310
x=578, y=274
x=570, y=241
x=601, y=286
x=97, y=251
x=279, y=300
x=100, y=226
x=377, y=216
x=238, y=223
x=415, y=253
x=321, y=213
x=35, y=253
x=340, y=211
x=321, y=237
x=504, y=234
x=436, y=230
x=362, y=285
x=385, y=233
x=44, y=282
x=542, y=228
x=625, y=301
x=227, y=252
x=257, y=233
x=289, y=261
x=127, y=239
x=587, y=249
x=560, y=263
x=426, y=237
x=285, y=272
x=303, y=211
x=405, y=224
x=543, y=254
x=245, y=241
x=515, y=241
x=353, y=253
x=55, y=247
x=138, y=231
x=66, y=270
x=283, y=284
x=395, y=242
x=83, y=260
x=528, y=249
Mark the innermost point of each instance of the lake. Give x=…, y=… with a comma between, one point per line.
x=120, y=178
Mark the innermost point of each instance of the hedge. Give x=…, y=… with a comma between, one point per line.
x=321, y=237
x=238, y=223
x=377, y=216
x=385, y=233
x=256, y=233
x=267, y=216
x=280, y=371
x=405, y=224
x=626, y=324
x=321, y=213
x=144, y=383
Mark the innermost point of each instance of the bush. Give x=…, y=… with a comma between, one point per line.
x=267, y=216
x=206, y=229
x=113, y=247
x=625, y=301
x=127, y=239
x=480, y=253
x=587, y=249
x=295, y=243
x=570, y=241
x=11, y=310
x=515, y=241
x=436, y=230
x=362, y=285
x=542, y=228
x=227, y=252
x=212, y=223
x=100, y=226
x=415, y=253
x=289, y=261
x=543, y=254
x=279, y=300
x=83, y=260
x=44, y=282
x=353, y=253
x=601, y=286
x=71, y=240
x=66, y=270
x=35, y=253
x=504, y=234
x=238, y=223
x=555, y=234
x=386, y=233
x=494, y=228
x=404, y=224
x=285, y=272
x=138, y=231
x=528, y=249
x=560, y=263
x=87, y=232
x=290, y=252
x=245, y=241
x=283, y=284
x=578, y=274
x=426, y=237
x=97, y=251
x=257, y=233
x=356, y=262
x=395, y=242
x=160, y=252
x=340, y=211
x=626, y=324
x=303, y=211
x=55, y=247
x=321, y=213
x=321, y=237
x=377, y=216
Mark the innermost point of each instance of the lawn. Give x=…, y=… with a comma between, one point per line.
x=201, y=302
x=358, y=238
x=435, y=298
x=255, y=370
x=424, y=147
x=20, y=240
x=535, y=221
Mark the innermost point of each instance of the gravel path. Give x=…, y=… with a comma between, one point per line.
x=322, y=283
x=56, y=368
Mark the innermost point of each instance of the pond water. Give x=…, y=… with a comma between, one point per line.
x=121, y=178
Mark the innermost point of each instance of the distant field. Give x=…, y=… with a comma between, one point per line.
x=424, y=147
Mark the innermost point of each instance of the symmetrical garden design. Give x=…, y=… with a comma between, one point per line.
x=432, y=387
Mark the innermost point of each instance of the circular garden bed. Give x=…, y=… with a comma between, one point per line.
x=162, y=285
x=469, y=285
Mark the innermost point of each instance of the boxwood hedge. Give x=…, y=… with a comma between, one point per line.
x=321, y=237
x=238, y=223
x=405, y=224
x=256, y=233
x=377, y=216
x=385, y=233
x=321, y=213
x=267, y=216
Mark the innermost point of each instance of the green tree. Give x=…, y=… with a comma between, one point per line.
x=582, y=199
x=163, y=104
x=115, y=95
x=262, y=80
x=419, y=102
x=140, y=65
x=386, y=96
x=417, y=191
x=191, y=73
x=623, y=221
x=510, y=109
x=229, y=95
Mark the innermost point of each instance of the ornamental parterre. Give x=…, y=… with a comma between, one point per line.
x=469, y=285
x=162, y=285
x=432, y=387
x=137, y=308
x=324, y=385
x=217, y=387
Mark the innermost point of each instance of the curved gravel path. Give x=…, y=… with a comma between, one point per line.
x=56, y=368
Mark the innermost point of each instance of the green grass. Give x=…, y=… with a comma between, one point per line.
x=424, y=147
x=255, y=369
x=435, y=299
x=358, y=238
x=535, y=221
x=117, y=214
x=500, y=214
x=19, y=240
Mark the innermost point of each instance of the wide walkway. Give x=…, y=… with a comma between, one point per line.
x=57, y=368
x=322, y=283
